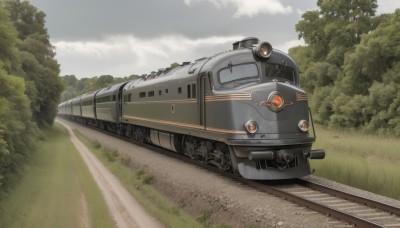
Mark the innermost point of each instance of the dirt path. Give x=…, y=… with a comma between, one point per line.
x=123, y=207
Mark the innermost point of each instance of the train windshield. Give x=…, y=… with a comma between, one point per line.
x=238, y=73
x=280, y=72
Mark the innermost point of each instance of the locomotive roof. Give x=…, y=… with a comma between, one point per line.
x=76, y=99
x=90, y=95
x=208, y=63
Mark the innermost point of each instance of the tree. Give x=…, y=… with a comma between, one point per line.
x=8, y=40
x=17, y=132
x=377, y=53
x=38, y=65
x=330, y=32
x=351, y=65
x=373, y=71
x=336, y=27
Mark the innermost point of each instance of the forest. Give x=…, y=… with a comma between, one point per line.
x=30, y=86
x=350, y=68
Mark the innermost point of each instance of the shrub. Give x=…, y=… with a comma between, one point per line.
x=147, y=178
x=140, y=173
x=204, y=217
x=125, y=160
x=110, y=154
x=96, y=144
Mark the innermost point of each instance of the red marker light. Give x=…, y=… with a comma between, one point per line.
x=276, y=102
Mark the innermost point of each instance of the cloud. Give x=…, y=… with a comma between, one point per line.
x=123, y=55
x=249, y=8
x=289, y=44
x=387, y=6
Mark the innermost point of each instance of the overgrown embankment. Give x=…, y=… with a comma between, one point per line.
x=139, y=183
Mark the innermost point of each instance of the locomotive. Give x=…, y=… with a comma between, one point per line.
x=241, y=110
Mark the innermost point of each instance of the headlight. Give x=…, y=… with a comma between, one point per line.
x=303, y=126
x=276, y=102
x=251, y=126
x=264, y=50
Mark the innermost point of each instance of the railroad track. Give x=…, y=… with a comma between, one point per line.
x=345, y=207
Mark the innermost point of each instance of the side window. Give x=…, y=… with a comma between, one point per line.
x=180, y=90
x=151, y=93
x=193, y=90
x=238, y=72
x=188, y=91
x=142, y=94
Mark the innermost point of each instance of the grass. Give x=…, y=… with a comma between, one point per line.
x=364, y=161
x=57, y=189
x=139, y=183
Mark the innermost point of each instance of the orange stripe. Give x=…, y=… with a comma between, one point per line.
x=166, y=101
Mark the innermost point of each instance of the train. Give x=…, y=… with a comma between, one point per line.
x=241, y=110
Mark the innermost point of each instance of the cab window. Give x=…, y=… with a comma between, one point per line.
x=279, y=71
x=238, y=72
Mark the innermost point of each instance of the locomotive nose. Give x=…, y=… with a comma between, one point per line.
x=282, y=109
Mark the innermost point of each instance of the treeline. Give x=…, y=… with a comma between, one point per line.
x=351, y=65
x=29, y=85
x=75, y=87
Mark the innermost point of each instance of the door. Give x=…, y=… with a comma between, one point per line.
x=204, y=86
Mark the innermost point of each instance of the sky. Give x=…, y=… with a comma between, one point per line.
x=125, y=37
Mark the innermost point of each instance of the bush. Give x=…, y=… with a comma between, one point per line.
x=147, y=178
x=204, y=217
x=140, y=173
x=110, y=154
x=125, y=160
x=96, y=144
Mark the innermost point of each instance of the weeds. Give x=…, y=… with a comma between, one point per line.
x=96, y=144
x=140, y=173
x=174, y=210
x=111, y=154
x=125, y=160
x=204, y=217
x=221, y=225
x=146, y=178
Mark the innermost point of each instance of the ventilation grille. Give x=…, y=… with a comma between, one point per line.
x=264, y=164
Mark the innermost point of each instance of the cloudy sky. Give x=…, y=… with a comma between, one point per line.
x=124, y=37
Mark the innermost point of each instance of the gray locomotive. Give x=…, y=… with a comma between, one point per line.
x=240, y=110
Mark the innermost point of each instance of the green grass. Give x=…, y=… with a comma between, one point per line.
x=364, y=161
x=139, y=183
x=56, y=190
